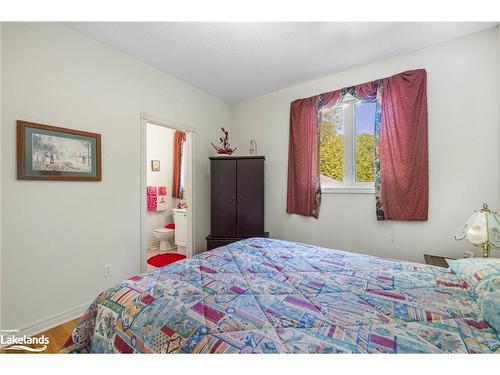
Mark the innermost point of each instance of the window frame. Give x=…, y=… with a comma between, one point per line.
x=349, y=184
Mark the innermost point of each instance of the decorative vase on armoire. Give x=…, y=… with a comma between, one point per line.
x=236, y=199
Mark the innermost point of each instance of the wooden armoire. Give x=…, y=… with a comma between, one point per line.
x=236, y=199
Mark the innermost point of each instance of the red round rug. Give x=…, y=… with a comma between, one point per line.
x=161, y=260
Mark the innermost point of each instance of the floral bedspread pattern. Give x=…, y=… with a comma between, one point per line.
x=269, y=296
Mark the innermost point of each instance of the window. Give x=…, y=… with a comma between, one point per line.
x=346, y=147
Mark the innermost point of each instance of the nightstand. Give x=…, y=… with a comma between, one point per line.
x=436, y=260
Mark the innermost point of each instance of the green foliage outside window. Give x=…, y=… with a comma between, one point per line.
x=331, y=149
x=365, y=144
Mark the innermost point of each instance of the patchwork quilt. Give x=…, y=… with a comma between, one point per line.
x=269, y=296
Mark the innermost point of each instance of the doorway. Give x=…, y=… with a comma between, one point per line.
x=167, y=201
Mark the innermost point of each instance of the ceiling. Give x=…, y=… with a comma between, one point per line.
x=237, y=61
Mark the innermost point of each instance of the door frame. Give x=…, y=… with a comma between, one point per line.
x=190, y=179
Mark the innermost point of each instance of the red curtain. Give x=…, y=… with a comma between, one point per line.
x=330, y=98
x=303, y=177
x=403, y=147
x=179, y=139
x=367, y=91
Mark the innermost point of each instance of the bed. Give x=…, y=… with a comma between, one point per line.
x=270, y=296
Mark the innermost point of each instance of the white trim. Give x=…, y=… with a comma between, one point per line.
x=191, y=180
x=167, y=123
x=143, y=244
x=348, y=190
x=349, y=149
x=191, y=183
x=53, y=321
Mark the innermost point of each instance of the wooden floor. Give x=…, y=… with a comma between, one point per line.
x=57, y=338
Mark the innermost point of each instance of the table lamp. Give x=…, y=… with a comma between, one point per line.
x=482, y=229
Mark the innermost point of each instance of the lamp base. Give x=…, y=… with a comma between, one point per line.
x=486, y=250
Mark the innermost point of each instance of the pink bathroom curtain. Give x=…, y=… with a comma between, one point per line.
x=403, y=146
x=303, y=192
x=179, y=139
x=401, y=142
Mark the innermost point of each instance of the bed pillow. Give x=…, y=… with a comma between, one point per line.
x=483, y=277
x=474, y=270
x=490, y=307
x=488, y=299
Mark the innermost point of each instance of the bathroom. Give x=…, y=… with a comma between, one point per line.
x=167, y=177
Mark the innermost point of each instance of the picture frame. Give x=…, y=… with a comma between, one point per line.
x=155, y=165
x=46, y=152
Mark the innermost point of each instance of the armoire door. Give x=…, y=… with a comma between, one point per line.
x=223, y=198
x=250, y=196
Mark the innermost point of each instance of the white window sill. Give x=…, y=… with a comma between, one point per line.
x=348, y=190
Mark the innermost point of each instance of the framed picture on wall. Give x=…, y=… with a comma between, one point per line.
x=155, y=165
x=46, y=152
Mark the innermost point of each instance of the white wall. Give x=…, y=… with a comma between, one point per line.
x=160, y=146
x=463, y=153
x=57, y=236
x=1, y=165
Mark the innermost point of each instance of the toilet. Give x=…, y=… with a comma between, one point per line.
x=165, y=235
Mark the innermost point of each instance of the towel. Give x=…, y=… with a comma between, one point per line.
x=151, y=198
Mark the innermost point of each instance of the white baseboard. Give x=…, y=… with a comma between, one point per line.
x=55, y=320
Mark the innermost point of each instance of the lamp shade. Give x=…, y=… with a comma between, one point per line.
x=483, y=227
x=494, y=229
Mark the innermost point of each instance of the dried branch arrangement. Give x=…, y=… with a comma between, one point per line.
x=225, y=148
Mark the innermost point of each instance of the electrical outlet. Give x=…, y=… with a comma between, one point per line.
x=108, y=270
